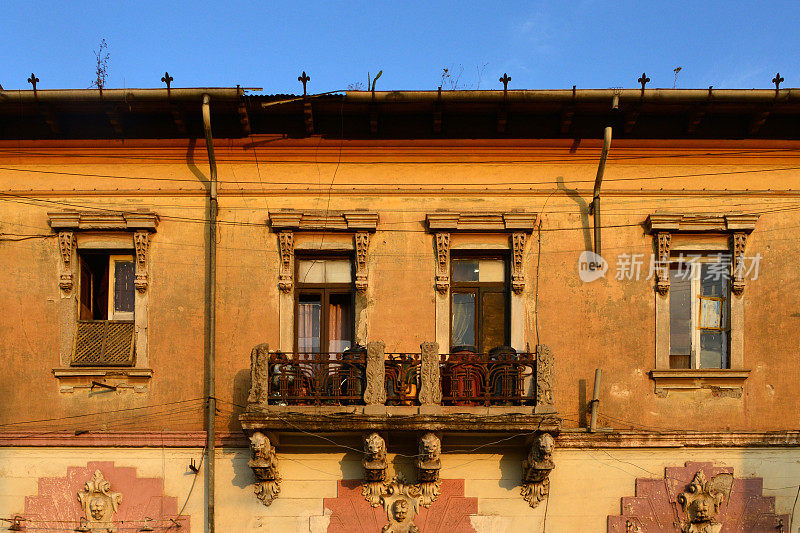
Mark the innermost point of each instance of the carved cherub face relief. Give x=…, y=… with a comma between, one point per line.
x=430, y=447
x=400, y=510
x=97, y=507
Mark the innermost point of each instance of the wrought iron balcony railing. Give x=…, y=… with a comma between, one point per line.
x=371, y=377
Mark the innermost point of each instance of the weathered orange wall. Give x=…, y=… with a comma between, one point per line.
x=607, y=324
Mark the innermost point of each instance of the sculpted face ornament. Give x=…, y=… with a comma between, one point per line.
x=536, y=469
x=428, y=466
x=702, y=500
x=401, y=502
x=264, y=463
x=99, y=504
x=374, y=463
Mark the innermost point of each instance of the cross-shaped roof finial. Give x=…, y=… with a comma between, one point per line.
x=33, y=80
x=304, y=79
x=166, y=78
x=777, y=81
x=505, y=79
x=643, y=80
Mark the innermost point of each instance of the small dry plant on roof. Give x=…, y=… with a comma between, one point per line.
x=101, y=69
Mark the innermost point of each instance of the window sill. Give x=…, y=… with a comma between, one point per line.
x=115, y=379
x=724, y=382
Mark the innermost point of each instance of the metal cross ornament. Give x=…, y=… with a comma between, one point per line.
x=777, y=81
x=166, y=78
x=505, y=79
x=33, y=80
x=304, y=79
x=643, y=80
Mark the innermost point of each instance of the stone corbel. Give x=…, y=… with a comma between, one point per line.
x=286, y=276
x=738, y=242
x=518, y=241
x=428, y=466
x=141, y=242
x=442, y=262
x=536, y=469
x=66, y=244
x=664, y=241
x=264, y=463
x=362, y=239
x=375, y=466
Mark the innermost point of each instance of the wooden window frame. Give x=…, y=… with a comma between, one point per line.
x=324, y=290
x=478, y=288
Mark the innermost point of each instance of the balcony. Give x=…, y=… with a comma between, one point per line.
x=369, y=389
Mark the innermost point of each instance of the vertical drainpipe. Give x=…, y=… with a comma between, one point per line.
x=211, y=285
x=594, y=207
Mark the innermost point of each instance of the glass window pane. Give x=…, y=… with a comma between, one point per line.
x=308, y=322
x=310, y=271
x=493, y=309
x=123, y=286
x=338, y=271
x=491, y=270
x=713, y=349
x=714, y=279
x=340, y=324
x=465, y=269
x=463, y=326
x=680, y=312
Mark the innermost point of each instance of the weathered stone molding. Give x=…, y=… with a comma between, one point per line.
x=286, y=274
x=264, y=464
x=536, y=468
x=430, y=392
x=627, y=439
x=725, y=382
x=361, y=239
x=323, y=221
x=66, y=244
x=99, y=504
x=518, y=240
x=141, y=242
x=544, y=376
x=90, y=221
x=375, y=466
x=259, y=376
x=482, y=222
x=375, y=390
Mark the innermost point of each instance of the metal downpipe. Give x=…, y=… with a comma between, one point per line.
x=211, y=287
x=598, y=181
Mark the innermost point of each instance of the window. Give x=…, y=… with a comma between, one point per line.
x=479, y=304
x=106, y=286
x=105, y=331
x=324, y=305
x=699, y=312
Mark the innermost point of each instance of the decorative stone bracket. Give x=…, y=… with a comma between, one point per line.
x=536, y=469
x=442, y=262
x=286, y=275
x=141, y=242
x=518, y=241
x=663, y=226
x=66, y=244
x=362, y=239
x=265, y=468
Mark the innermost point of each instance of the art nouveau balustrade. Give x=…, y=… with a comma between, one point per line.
x=370, y=377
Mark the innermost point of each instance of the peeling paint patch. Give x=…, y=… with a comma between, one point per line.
x=619, y=392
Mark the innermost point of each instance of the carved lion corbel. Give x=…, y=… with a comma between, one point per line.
x=536, y=469
x=375, y=466
x=264, y=463
x=428, y=466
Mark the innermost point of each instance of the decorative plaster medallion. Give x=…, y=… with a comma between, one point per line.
x=99, y=505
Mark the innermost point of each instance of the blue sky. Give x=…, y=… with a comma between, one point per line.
x=554, y=44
